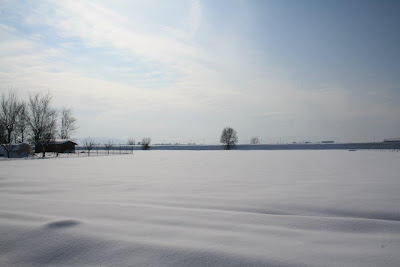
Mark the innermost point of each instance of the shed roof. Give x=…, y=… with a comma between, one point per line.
x=63, y=141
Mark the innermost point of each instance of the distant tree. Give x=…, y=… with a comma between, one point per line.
x=42, y=120
x=22, y=122
x=9, y=109
x=229, y=138
x=89, y=144
x=254, y=140
x=68, y=123
x=146, y=143
x=109, y=145
x=131, y=142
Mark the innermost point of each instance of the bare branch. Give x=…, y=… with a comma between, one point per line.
x=68, y=123
x=22, y=123
x=9, y=110
x=254, y=140
x=146, y=143
x=131, y=141
x=229, y=138
x=42, y=120
x=89, y=144
x=109, y=145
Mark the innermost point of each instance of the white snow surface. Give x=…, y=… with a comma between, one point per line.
x=202, y=208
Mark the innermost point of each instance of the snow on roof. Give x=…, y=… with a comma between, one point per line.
x=62, y=141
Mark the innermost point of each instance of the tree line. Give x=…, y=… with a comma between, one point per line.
x=89, y=144
x=34, y=121
x=228, y=138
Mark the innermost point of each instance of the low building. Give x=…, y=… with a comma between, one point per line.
x=58, y=146
x=22, y=150
x=392, y=140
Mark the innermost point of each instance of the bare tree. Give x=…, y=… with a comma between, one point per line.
x=254, y=140
x=89, y=144
x=146, y=143
x=22, y=122
x=229, y=138
x=42, y=120
x=131, y=141
x=9, y=110
x=109, y=145
x=68, y=123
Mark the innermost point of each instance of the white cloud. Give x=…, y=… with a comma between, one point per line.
x=97, y=26
x=6, y=28
x=190, y=24
x=157, y=70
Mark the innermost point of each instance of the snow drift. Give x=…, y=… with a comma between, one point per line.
x=202, y=208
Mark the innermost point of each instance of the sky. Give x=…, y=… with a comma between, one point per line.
x=181, y=71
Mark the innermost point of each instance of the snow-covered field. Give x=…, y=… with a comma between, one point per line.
x=202, y=208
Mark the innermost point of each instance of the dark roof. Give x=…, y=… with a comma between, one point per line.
x=63, y=141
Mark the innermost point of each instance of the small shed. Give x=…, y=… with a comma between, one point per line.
x=62, y=146
x=59, y=145
x=22, y=150
x=3, y=152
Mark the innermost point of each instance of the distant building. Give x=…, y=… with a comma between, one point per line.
x=60, y=146
x=22, y=150
x=392, y=140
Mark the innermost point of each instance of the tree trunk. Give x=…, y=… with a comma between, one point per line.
x=8, y=151
x=9, y=136
x=8, y=148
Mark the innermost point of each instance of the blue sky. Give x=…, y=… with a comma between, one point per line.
x=180, y=71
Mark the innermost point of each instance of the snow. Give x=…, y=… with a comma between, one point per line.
x=62, y=141
x=202, y=208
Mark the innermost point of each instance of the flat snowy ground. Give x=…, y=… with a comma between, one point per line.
x=203, y=208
